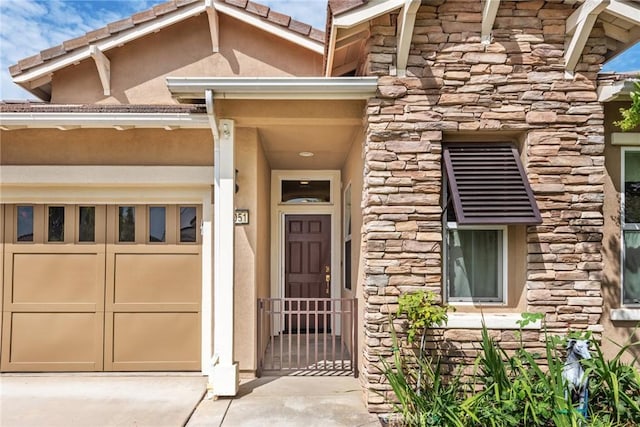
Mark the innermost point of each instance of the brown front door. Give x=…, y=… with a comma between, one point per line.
x=307, y=268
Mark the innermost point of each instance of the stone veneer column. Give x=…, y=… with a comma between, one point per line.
x=456, y=84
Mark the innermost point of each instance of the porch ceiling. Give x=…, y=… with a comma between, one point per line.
x=326, y=128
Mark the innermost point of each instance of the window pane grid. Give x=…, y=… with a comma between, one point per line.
x=127, y=224
x=24, y=226
x=56, y=224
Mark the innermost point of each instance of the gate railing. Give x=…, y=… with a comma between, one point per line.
x=307, y=336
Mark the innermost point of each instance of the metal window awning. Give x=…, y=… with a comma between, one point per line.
x=488, y=185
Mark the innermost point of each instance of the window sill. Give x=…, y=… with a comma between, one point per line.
x=493, y=321
x=625, y=314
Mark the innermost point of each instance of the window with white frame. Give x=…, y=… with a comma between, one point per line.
x=486, y=190
x=476, y=263
x=347, y=237
x=631, y=226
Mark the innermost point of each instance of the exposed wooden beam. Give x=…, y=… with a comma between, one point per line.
x=345, y=68
x=624, y=10
x=212, y=14
x=406, y=22
x=489, y=12
x=589, y=7
x=104, y=68
x=578, y=28
x=352, y=39
x=348, y=32
x=616, y=32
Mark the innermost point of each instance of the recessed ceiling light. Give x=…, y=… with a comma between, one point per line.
x=305, y=154
x=304, y=182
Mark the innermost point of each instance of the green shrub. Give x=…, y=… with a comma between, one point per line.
x=519, y=389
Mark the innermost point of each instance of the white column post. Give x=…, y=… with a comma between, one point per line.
x=225, y=371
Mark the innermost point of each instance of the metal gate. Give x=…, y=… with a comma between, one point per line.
x=307, y=336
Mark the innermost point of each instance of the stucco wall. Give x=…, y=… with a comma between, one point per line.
x=456, y=85
x=618, y=332
x=106, y=147
x=351, y=173
x=139, y=68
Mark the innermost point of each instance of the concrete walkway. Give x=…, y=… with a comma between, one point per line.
x=171, y=400
x=289, y=402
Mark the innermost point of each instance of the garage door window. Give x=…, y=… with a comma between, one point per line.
x=188, y=223
x=157, y=224
x=87, y=224
x=127, y=224
x=25, y=224
x=55, y=231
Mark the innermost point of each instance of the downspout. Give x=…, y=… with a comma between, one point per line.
x=207, y=345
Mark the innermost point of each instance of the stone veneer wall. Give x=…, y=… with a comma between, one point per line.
x=456, y=85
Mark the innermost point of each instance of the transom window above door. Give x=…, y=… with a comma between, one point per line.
x=306, y=191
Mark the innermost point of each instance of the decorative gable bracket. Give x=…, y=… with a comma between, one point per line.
x=104, y=68
x=406, y=23
x=578, y=29
x=489, y=12
x=212, y=14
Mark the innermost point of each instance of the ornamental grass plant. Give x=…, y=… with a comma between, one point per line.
x=516, y=388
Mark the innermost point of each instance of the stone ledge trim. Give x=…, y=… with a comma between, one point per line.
x=492, y=320
x=625, y=314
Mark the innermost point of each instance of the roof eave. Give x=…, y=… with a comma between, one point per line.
x=119, y=121
x=311, y=88
x=617, y=91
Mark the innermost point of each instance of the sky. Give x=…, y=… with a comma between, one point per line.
x=28, y=26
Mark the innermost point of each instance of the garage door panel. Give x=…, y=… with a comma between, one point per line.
x=55, y=278
x=53, y=341
x=154, y=340
x=157, y=278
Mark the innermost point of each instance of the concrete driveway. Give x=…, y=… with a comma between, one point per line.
x=96, y=400
x=175, y=400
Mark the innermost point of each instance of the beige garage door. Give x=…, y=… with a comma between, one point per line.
x=91, y=288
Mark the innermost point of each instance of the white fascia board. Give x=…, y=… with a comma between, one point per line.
x=624, y=10
x=106, y=175
x=111, y=42
x=366, y=12
x=274, y=29
x=616, y=91
x=104, y=120
x=492, y=321
x=274, y=87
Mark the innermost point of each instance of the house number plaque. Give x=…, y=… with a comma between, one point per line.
x=241, y=216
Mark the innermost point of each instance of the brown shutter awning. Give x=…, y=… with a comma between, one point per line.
x=488, y=185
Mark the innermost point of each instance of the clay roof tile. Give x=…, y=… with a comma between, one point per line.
x=257, y=9
x=53, y=52
x=144, y=16
x=164, y=8
x=121, y=25
x=300, y=27
x=99, y=34
x=75, y=43
x=279, y=18
x=238, y=3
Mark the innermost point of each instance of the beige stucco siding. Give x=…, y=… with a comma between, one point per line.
x=106, y=147
x=139, y=68
x=252, y=243
x=617, y=332
x=352, y=174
